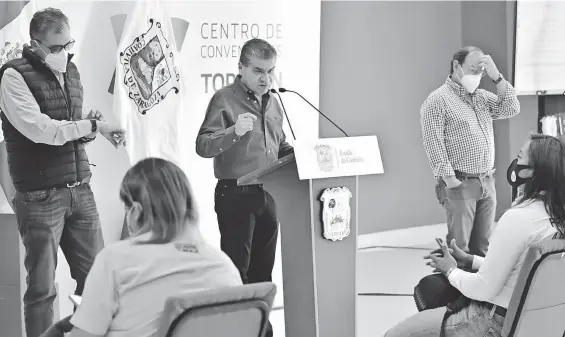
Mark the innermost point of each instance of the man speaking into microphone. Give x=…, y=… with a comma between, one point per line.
x=243, y=132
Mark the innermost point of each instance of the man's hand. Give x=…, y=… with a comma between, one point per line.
x=97, y=115
x=489, y=66
x=114, y=133
x=451, y=181
x=244, y=123
x=464, y=260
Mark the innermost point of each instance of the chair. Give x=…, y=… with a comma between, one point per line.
x=240, y=311
x=537, y=307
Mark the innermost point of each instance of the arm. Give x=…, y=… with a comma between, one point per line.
x=215, y=136
x=285, y=148
x=507, y=243
x=505, y=103
x=432, y=120
x=99, y=300
x=5, y=178
x=23, y=112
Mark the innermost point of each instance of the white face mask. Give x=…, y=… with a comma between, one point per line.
x=57, y=61
x=470, y=82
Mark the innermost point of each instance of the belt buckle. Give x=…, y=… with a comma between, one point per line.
x=75, y=184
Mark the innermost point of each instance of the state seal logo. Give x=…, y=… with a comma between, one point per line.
x=325, y=156
x=336, y=213
x=149, y=69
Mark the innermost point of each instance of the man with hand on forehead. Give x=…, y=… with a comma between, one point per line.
x=457, y=127
x=243, y=132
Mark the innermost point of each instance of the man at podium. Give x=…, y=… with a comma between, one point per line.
x=243, y=132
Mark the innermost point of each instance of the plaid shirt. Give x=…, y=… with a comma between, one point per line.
x=459, y=136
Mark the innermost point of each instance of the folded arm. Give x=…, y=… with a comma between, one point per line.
x=21, y=109
x=215, y=136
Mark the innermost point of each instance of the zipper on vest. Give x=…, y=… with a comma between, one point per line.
x=69, y=112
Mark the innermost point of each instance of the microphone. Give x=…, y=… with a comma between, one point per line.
x=274, y=91
x=307, y=101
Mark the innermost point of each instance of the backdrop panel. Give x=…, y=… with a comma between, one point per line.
x=208, y=36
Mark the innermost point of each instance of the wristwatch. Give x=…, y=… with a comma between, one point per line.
x=94, y=125
x=499, y=79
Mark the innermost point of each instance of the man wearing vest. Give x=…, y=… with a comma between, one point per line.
x=42, y=120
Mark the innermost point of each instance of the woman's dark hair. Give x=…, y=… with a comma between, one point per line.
x=461, y=55
x=547, y=160
x=163, y=191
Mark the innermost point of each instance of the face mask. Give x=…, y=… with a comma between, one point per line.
x=57, y=61
x=470, y=82
x=512, y=174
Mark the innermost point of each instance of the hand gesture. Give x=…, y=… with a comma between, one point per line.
x=244, y=123
x=442, y=261
x=487, y=63
x=464, y=260
x=114, y=133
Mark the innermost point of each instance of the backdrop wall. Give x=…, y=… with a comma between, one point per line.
x=379, y=61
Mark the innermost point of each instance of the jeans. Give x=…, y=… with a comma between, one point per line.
x=46, y=219
x=475, y=320
x=470, y=210
x=248, y=225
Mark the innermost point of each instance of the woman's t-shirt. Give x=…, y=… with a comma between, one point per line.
x=127, y=287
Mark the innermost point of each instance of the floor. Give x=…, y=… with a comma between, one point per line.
x=389, y=266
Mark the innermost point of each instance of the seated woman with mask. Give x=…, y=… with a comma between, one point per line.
x=126, y=289
x=539, y=214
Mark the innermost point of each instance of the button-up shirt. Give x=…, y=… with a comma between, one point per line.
x=236, y=156
x=20, y=108
x=459, y=135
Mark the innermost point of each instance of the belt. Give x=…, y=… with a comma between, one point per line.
x=71, y=184
x=475, y=175
x=499, y=310
x=230, y=183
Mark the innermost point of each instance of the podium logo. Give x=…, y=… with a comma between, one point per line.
x=326, y=157
x=149, y=69
x=10, y=51
x=336, y=213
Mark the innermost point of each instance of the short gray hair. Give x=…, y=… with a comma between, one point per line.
x=45, y=20
x=258, y=48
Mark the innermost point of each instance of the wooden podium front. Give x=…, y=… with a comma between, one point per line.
x=319, y=275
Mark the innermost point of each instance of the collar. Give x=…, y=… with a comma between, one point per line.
x=458, y=89
x=240, y=86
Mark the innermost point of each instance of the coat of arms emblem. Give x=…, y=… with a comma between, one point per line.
x=10, y=51
x=326, y=158
x=336, y=213
x=149, y=69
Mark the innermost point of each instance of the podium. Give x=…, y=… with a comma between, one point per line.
x=319, y=274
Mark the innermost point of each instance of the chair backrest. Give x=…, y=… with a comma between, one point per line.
x=241, y=311
x=537, y=307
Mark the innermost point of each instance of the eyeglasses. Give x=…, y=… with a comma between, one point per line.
x=58, y=48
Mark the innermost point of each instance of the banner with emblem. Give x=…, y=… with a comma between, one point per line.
x=14, y=32
x=148, y=99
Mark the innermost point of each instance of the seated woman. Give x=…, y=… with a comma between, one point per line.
x=166, y=255
x=539, y=214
